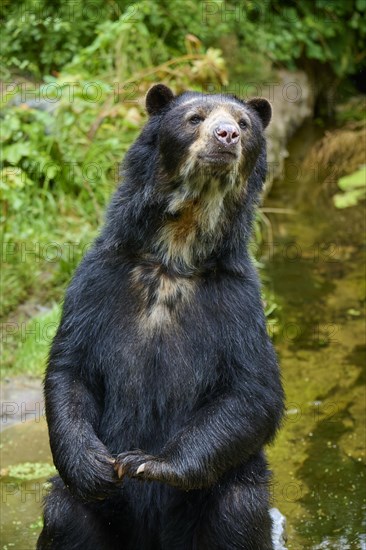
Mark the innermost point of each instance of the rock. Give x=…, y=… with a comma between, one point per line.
x=292, y=101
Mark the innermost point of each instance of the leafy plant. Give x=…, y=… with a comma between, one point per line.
x=353, y=187
x=42, y=36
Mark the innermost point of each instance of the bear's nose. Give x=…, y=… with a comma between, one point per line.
x=227, y=134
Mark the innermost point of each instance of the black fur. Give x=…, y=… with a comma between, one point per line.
x=182, y=408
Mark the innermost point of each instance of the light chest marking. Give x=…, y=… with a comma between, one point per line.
x=161, y=297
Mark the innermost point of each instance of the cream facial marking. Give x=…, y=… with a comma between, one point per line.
x=205, y=136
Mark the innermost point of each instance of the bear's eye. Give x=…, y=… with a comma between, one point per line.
x=243, y=124
x=195, y=119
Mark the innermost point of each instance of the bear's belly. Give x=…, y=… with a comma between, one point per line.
x=159, y=384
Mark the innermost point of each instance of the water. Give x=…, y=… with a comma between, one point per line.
x=22, y=490
x=316, y=273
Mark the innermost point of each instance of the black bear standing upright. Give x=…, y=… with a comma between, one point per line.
x=162, y=386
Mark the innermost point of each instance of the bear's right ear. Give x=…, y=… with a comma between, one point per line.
x=158, y=97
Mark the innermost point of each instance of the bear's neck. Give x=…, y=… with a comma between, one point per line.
x=180, y=230
x=193, y=226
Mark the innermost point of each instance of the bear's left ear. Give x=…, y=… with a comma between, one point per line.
x=263, y=108
x=157, y=97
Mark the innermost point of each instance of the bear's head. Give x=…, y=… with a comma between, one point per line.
x=208, y=137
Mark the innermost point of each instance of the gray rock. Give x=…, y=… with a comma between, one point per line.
x=292, y=100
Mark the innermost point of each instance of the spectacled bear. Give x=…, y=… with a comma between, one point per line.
x=162, y=385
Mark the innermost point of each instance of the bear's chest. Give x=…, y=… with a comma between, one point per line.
x=160, y=297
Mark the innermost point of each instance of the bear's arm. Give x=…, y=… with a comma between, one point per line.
x=84, y=463
x=220, y=436
x=74, y=395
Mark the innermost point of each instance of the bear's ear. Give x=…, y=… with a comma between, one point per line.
x=263, y=108
x=157, y=97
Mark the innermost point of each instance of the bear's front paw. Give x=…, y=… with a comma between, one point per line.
x=138, y=464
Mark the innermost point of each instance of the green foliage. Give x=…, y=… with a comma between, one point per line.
x=42, y=36
x=291, y=32
x=27, y=348
x=353, y=187
x=23, y=162
x=353, y=110
x=42, y=245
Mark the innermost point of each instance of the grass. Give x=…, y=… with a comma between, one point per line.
x=26, y=344
x=39, y=257
x=42, y=245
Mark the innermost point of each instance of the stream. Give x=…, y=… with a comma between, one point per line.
x=314, y=265
x=316, y=269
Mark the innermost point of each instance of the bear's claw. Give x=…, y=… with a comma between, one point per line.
x=133, y=464
x=141, y=469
